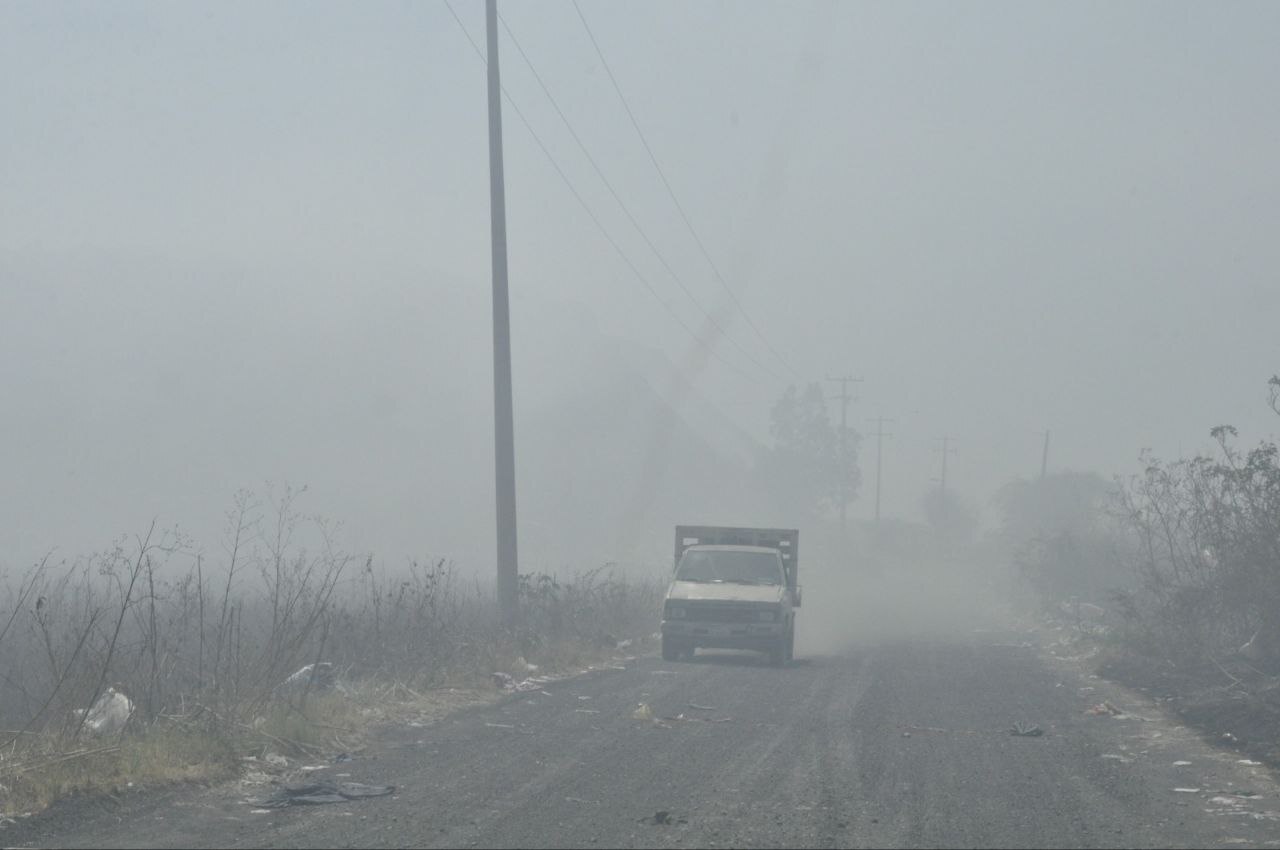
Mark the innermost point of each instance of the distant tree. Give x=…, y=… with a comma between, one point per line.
x=811, y=463
x=1061, y=534
x=951, y=518
x=1062, y=502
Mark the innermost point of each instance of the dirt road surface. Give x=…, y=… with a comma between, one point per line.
x=899, y=745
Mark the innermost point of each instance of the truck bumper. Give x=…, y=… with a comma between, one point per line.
x=757, y=636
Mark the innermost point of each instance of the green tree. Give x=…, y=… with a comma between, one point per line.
x=811, y=464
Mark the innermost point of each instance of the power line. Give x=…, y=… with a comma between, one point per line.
x=626, y=210
x=591, y=214
x=671, y=192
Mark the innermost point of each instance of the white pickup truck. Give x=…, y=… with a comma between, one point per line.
x=732, y=588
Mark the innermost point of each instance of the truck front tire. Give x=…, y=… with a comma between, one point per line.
x=782, y=652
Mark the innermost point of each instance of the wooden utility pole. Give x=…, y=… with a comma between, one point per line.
x=1044, y=458
x=503, y=418
x=880, y=435
x=946, y=450
x=844, y=382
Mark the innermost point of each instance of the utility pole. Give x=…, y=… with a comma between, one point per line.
x=880, y=435
x=503, y=418
x=946, y=450
x=1044, y=458
x=844, y=381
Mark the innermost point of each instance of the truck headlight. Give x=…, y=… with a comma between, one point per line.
x=768, y=616
x=675, y=613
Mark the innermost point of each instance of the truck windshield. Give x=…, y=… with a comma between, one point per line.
x=737, y=567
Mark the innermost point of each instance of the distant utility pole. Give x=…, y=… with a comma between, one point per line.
x=1044, y=458
x=946, y=450
x=880, y=435
x=503, y=419
x=844, y=382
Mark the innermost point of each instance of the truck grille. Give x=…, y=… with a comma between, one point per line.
x=721, y=612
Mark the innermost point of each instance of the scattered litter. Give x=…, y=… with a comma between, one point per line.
x=1250, y=762
x=316, y=677
x=623, y=644
x=525, y=666
x=584, y=697
x=663, y=818
x=276, y=760
x=319, y=793
x=906, y=734
x=507, y=682
x=683, y=718
x=312, y=768
x=260, y=811
x=545, y=693
x=642, y=712
x=585, y=711
x=664, y=672
x=1103, y=708
x=1022, y=730
x=927, y=729
x=342, y=758
x=1235, y=841
x=1227, y=736
x=578, y=800
x=1119, y=758
x=1182, y=764
x=108, y=714
x=1187, y=790
x=697, y=707
x=500, y=725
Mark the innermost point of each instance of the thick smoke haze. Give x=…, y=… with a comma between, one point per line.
x=246, y=243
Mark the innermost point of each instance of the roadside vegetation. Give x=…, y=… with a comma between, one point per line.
x=1172, y=576
x=208, y=653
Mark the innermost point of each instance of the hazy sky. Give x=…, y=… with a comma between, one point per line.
x=1005, y=217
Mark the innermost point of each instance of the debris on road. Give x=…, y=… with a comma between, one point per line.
x=1187, y=790
x=108, y=714
x=683, y=718
x=1249, y=762
x=1181, y=763
x=320, y=793
x=1022, y=730
x=1103, y=709
x=642, y=712
x=697, y=707
x=1117, y=757
x=663, y=818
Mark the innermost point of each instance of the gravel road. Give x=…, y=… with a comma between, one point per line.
x=898, y=745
